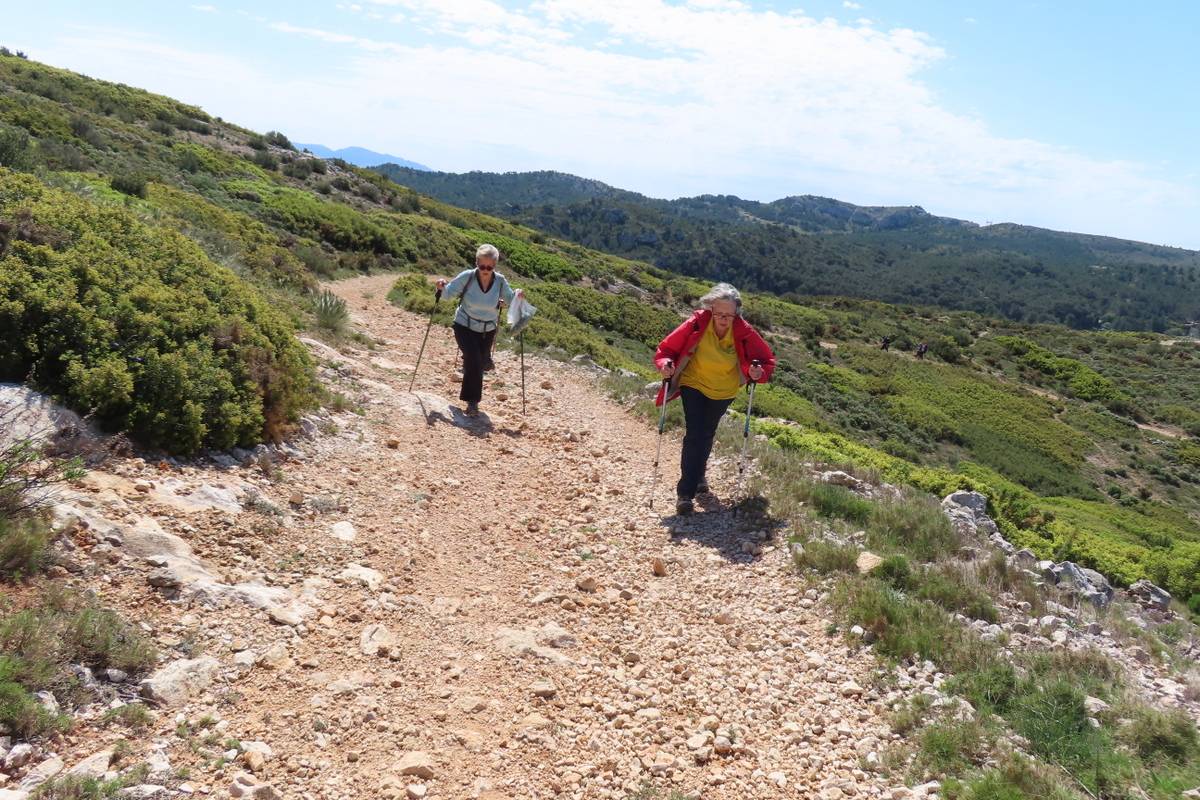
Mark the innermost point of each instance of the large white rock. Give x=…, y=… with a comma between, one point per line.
x=343, y=531
x=29, y=415
x=93, y=766
x=376, y=639
x=43, y=772
x=365, y=576
x=179, y=680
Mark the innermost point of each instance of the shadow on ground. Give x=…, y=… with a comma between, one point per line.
x=726, y=527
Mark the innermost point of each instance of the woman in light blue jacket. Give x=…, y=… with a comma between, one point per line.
x=481, y=291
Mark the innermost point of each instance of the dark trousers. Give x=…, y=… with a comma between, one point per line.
x=701, y=415
x=476, y=347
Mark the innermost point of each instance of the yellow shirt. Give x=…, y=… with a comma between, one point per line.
x=713, y=370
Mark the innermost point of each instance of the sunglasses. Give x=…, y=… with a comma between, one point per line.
x=486, y=267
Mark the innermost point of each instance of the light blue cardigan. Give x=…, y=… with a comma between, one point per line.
x=477, y=309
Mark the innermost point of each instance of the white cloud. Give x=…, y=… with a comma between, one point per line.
x=206, y=9
x=851, y=5
x=667, y=98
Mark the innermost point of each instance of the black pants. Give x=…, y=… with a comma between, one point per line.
x=476, y=347
x=701, y=415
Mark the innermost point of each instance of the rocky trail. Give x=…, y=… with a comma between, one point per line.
x=405, y=602
x=414, y=603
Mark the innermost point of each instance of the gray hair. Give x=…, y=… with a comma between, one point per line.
x=722, y=291
x=487, y=251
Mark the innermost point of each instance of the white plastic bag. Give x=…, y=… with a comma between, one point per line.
x=520, y=311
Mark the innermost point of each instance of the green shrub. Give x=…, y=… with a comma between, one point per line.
x=20, y=711
x=130, y=715
x=1053, y=719
x=906, y=627
x=39, y=645
x=914, y=525
x=24, y=547
x=266, y=160
x=825, y=557
x=895, y=572
x=989, y=687
x=950, y=748
x=911, y=715
x=137, y=326
x=831, y=500
x=330, y=311
x=278, y=140
x=14, y=147
x=71, y=787
x=1016, y=778
x=952, y=589
x=1163, y=735
x=946, y=349
x=131, y=184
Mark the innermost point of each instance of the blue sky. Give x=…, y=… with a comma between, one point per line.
x=1072, y=115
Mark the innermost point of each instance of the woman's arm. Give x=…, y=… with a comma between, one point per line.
x=671, y=347
x=458, y=285
x=758, y=350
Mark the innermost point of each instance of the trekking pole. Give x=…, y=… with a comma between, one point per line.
x=521, y=344
x=437, y=297
x=662, y=424
x=745, y=440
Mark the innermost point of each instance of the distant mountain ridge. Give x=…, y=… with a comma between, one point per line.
x=810, y=245
x=361, y=156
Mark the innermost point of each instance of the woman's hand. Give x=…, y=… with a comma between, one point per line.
x=441, y=284
x=519, y=294
x=756, y=373
x=667, y=370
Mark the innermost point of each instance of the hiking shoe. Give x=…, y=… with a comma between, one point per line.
x=488, y=364
x=472, y=409
x=683, y=506
x=702, y=486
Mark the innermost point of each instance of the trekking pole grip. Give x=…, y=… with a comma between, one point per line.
x=437, y=296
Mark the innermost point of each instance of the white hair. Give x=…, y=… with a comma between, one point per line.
x=722, y=291
x=487, y=251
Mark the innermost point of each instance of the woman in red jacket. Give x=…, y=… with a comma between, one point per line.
x=707, y=359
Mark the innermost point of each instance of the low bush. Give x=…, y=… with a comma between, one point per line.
x=826, y=557
x=131, y=184
x=914, y=525
x=955, y=590
x=1016, y=778
x=24, y=547
x=330, y=311
x=895, y=572
x=135, y=325
x=1162, y=735
x=951, y=748
x=130, y=715
x=39, y=645
x=906, y=627
x=838, y=502
x=1053, y=719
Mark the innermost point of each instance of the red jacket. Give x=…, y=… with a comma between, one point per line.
x=680, y=345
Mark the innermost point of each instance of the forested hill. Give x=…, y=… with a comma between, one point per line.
x=810, y=245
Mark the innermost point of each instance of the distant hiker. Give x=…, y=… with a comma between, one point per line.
x=885, y=343
x=478, y=316
x=922, y=349
x=707, y=359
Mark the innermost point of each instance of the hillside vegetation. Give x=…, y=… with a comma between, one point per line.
x=818, y=246
x=1084, y=441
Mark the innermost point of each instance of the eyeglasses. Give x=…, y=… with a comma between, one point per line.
x=486, y=267
x=724, y=316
